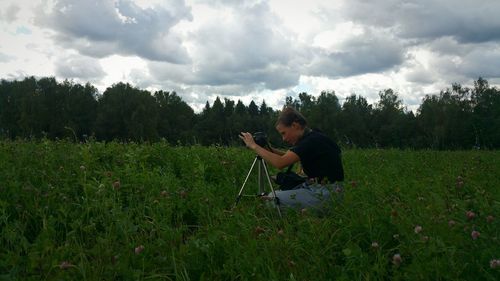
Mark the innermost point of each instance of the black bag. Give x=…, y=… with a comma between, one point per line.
x=288, y=180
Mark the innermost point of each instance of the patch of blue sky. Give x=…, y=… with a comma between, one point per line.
x=23, y=30
x=303, y=88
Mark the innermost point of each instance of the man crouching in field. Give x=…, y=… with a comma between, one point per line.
x=320, y=158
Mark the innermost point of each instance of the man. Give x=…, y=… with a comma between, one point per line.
x=319, y=156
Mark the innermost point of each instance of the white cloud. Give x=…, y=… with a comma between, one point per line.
x=240, y=45
x=365, y=52
x=255, y=49
x=79, y=67
x=484, y=61
x=102, y=28
x=10, y=13
x=466, y=20
x=5, y=58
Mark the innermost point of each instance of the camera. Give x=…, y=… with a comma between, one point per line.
x=260, y=138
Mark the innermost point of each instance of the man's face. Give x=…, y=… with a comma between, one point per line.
x=290, y=134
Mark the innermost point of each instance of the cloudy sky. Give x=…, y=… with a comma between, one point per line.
x=255, y=50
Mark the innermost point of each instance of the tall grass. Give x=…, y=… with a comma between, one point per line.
x=97, y=211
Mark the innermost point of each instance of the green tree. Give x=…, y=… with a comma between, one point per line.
x=239, y=120
x=127, y=113
x=446, y=120
x=211, y=126
x=231, y=127
x=486, y=114
x=253, y=123
x=81, y=108
x=306, y=104
x=175, y=117
x=17, y=108
x=324, y=114
x=354, y=120
x=389, y=120
x=52, y=112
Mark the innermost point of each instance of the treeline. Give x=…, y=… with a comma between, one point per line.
x=457, y=118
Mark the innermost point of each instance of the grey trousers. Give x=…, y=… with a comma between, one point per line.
x=310, y=196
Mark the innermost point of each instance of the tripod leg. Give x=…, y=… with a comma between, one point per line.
x=262, y=181
x=276, y=199
x=246, y=179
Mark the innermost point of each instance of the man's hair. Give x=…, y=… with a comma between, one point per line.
x=289, y=115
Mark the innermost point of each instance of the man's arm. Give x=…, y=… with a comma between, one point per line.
x=277, y=151
x=278, y=160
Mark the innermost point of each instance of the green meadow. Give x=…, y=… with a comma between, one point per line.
x=116, y=211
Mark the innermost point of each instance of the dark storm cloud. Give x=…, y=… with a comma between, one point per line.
x=449, y=46
x=465, y=20
x=366, y=53
x=483, y=61
x=79, y=67
x=101, y=28
x=420, y=76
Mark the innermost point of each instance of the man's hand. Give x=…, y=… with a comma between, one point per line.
x=248, y=139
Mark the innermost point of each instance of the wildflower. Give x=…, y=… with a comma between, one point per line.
x=394, y=213
x=494, y=263
x=395, y=236
x=65, y=265
x=259, y=230
x=281, y=232
x=451, y=223
x=139, y=249
x=490, y=219
x=183, y=194
x=475, y=234
x=375, y=245
x=470, y=215
x=396, y=259
x=425, y=238
x=418, y=229
x=82, y=168
x=116, y=184
x=164, y=193
x=303, y=211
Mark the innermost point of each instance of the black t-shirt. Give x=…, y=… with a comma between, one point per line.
x=320, y=156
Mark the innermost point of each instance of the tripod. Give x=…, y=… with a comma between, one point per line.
x=262, y=170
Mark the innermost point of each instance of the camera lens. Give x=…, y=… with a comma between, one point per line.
x=260, y=138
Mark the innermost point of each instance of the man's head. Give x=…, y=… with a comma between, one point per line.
x=291, y=125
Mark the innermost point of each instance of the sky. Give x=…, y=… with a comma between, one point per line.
x=255, y=49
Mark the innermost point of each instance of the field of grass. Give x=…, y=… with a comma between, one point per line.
x=114, y=211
